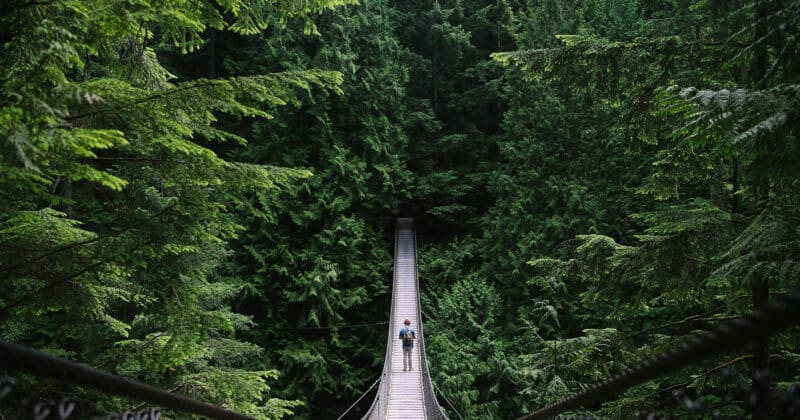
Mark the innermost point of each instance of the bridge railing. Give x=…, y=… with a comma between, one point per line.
x=432, y=408
x=381, y=402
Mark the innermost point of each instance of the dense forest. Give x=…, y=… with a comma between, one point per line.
x=200, y=194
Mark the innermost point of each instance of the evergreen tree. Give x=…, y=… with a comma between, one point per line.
x=115, y=213
x=200, y=194
x=317, y=253
x=686, y=268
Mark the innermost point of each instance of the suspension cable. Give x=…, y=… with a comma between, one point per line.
x=782, y=313
x=359, y=398
x=16, y=357
x=446, y=400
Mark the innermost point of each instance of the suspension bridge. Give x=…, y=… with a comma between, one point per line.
x=409, y=394
x=405, y=394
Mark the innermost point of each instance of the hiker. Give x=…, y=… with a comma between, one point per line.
x=407, y=336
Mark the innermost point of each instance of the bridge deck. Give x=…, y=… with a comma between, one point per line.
x=405, y=389
x=405, y=395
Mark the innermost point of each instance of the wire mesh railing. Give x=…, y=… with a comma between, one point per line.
x=432, y=408
x=381, y=400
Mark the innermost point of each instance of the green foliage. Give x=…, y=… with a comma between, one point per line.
x=199, y=194
x=314, y=254
x=766, y=249
x=470, y=367
x=116, y=210
x=719, y=162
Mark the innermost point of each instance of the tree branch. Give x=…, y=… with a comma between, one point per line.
x=135, y=159
x=690, y=318
x=86, y=242
x=49, y=286
x=163, y=95
x=687, y=383
x=18, y=7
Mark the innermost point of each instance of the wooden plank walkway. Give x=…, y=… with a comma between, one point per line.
x=405, y=395
x=405, y=389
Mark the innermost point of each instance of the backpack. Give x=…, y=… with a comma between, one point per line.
x=408, y=338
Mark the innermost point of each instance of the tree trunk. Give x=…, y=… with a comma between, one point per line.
x=63, y=188
x=760, y=283
x=736, y=187
x=212, y=53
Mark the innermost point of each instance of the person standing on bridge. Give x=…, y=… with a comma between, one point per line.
x=407, y=336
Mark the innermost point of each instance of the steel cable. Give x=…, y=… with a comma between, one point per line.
x=782, y=313
x=359, y=398
x=448, y=401
x=22, y=359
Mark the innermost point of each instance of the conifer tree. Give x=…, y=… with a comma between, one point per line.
x=115, y=212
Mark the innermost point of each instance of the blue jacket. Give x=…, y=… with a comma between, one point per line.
x=413, y=334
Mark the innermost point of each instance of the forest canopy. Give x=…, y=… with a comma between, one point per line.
x=200, y=195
